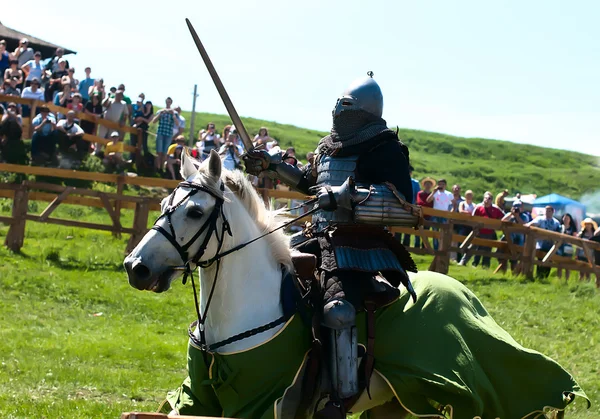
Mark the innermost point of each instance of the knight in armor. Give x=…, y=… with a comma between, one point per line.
x=360, y=176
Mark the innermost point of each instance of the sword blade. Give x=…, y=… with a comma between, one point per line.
x=235, y=118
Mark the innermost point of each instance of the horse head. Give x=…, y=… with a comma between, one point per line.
x=211, y=211
x=188, y=220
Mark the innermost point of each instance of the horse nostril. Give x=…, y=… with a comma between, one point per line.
x=141, y=271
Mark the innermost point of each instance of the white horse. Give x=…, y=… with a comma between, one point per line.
x=217, y=211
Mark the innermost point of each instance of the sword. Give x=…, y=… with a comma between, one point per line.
x=235, y=118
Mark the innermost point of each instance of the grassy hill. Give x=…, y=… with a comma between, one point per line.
x=474, y=163
x=76, y=341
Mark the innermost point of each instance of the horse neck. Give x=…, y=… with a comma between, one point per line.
x=247, y=292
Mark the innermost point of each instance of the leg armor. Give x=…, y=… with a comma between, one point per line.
x=339, y=316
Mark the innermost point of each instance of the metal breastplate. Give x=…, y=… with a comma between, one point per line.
x=334, y=171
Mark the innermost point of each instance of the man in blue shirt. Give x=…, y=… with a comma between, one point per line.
x=547, y=222
x=43, y=141
x=416, y=187
x=84, y=86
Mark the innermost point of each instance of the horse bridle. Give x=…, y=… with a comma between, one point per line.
x=210, y=224
x=210, y=227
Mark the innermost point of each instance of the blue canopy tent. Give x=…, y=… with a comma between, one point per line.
x=562, y=205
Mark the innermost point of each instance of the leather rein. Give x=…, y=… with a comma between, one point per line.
x=210, y=227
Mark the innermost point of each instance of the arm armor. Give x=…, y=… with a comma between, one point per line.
x=379, y=204
x=288, y=174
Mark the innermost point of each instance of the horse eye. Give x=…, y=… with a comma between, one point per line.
x=195, y=212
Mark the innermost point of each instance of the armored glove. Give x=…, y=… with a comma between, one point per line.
x=331, y=198
x=257, y=161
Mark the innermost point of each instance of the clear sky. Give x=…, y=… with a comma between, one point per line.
x=524, y=71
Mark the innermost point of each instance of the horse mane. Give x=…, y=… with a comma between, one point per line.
x=265, y=219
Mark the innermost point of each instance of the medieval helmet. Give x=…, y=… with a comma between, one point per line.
x=363, y=94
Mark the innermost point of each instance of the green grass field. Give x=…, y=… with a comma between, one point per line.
x=76, y=341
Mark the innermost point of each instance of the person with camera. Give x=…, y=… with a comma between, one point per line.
x=516, y=216
x=442, y=201
x=209, y=140
x=232, y=150
x=43, y=141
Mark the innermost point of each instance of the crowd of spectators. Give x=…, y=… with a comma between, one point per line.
x=433, y=194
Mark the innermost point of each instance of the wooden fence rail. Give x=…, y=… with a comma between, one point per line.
x=527, y=255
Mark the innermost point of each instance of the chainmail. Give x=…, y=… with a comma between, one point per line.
x=350, y=128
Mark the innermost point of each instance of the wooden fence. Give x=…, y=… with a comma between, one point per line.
x=527, y=255
x=34, y=104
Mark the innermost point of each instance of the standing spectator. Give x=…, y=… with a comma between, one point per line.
x=115, y=110
x=56, y=80
x=441, y=199
x=93, y=108
x=208, y=140
x=85, y=85
x=71, y=80
x=32, y=92
x=422, y=196
x=596, y=238
x=515, y=216
x=126, y=99
x=23, y=53
x=262, y=138
x=486, y=210
x=180, y=126
x=500, y=199
x=546, y=222
x=166, y=121
x=62, y=99
x=98, y=90
x=454, y=204
x=568, y=227
x=14, y=72
x=588, y=227
x=43, y=142
x=4, y=57
x=416, y=188
x=466, y=207
x=141, y=118
x=69, y=135
x=12, y=148
x=33, y=69
x=54, y=63
x=232, y=151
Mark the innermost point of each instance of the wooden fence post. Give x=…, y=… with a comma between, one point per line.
x=441, y=261
x=140, y=224
x=528, y=260
x=120, y=185
x=16, y=231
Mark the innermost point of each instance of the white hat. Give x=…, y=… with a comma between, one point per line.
x=62, y=60
x=114, y=134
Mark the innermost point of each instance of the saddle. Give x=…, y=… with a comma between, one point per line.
x=307, y=283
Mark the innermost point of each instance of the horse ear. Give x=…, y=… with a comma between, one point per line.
x=188, y=168
x=214, y=164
